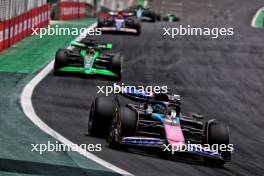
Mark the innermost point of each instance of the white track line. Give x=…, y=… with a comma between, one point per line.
x=253, y=22
x=26, y=103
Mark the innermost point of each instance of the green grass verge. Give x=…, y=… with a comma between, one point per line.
x=18, y=65
x=259, y=23
x=32, y=53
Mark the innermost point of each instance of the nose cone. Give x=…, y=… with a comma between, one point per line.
x=174, y=134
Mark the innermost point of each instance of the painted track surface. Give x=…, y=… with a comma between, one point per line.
x=221, y=78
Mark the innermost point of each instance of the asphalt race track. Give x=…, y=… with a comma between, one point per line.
x=220, y=78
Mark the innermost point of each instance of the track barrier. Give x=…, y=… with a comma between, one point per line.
x=72, y=10
x=1, y=36
x=17, y=28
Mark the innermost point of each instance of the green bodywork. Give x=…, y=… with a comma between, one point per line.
x=170, y=18
x=89, y=60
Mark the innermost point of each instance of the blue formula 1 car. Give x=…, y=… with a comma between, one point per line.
x=119, y=22
x=156, y=121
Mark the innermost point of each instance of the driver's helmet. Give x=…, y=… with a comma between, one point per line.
x=120, y=14
x=160, y=109
x=90, y=51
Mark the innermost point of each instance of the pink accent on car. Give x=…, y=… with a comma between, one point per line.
x=174, y=134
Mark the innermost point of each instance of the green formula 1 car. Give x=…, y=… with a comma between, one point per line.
x=171, y=18
x=87, y=57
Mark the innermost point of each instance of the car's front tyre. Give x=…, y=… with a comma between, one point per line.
x=116, y=65
x=101, y=114
x=217, y=133
x=61, y=60
x=128, y=120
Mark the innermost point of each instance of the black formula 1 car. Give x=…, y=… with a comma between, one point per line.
x=146, y=14
x=119, y=22
x=155, y=121
x=171, y=18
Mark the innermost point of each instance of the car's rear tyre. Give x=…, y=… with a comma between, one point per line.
x=101, y=114
x=100, y=22
x=153, y=16
x=217, y=133
x=61, y=60
x=128, y=120
x=116, y=65
x=176, y=19
x=158, y=17
x=138, y=26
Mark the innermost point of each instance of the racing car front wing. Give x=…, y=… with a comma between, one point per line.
x=160, y=143
x=88, y=71
x=114, y=29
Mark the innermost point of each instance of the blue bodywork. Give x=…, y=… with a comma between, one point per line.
x=157, y=116
x=135, y=92
x=142, y=141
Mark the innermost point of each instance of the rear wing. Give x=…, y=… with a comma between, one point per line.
x=85, y=44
